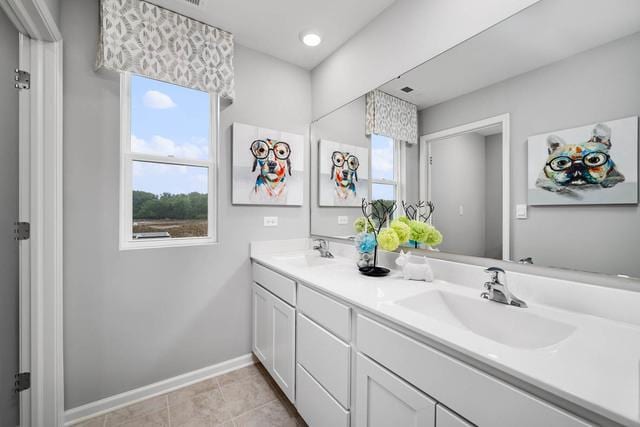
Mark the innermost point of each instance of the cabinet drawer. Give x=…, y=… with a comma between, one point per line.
x=331, y=314
x=315, y=405
x=283, y=287
x=446, y=418
x=325, y=357
x=460, y=387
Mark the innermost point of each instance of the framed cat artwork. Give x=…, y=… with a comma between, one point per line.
x=595, y=164
x=268, y=166
x=343, y=171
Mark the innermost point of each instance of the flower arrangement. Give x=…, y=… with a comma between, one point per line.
x=417, y=217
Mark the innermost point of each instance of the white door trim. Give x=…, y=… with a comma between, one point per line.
x=32, y=18
x=425, y=172
x=41, y=205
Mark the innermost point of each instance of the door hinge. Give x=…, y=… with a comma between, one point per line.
x=22, y=79
x=22, y=231
x=430, y=160
x=22, y=381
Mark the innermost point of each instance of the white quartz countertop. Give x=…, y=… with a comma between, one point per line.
x=596, y=367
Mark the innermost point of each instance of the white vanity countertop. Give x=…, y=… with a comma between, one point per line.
x=596, y=367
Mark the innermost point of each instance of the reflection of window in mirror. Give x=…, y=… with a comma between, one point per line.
x=386, y=177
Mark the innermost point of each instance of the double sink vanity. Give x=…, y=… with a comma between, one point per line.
x=353, y=350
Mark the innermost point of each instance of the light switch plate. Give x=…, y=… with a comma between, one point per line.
x=521, y=211
x=343, y=220
x=460, y=210
x=270, y=221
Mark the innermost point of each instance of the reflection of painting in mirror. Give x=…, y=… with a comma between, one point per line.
x=268, y=166
x=343, y=174
x=594, y=164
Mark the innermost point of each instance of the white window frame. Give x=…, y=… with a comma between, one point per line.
x=127, y=157
x=399, y=172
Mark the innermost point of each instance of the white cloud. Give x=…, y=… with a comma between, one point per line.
x=382, y=160
x=157, y=100
x=161, y=146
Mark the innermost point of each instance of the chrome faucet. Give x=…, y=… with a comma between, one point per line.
x=322, y=246
x=497, y=291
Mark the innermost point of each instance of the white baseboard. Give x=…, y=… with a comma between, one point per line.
x=102, y=406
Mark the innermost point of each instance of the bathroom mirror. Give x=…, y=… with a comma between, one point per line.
x=527, y=142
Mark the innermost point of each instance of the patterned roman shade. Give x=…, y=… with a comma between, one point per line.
x=391, y=117
x=145, y=39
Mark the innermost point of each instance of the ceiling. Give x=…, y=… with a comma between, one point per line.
x=273, y=26
x=544, y=33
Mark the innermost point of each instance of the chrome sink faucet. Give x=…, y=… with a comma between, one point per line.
x=497, y=291
x=322, y=246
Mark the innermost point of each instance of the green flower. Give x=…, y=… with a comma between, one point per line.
x=402, y=230
x=388, y=239
x=435, y=237
x=419, y=231
x=360, y=224
x=403, y=219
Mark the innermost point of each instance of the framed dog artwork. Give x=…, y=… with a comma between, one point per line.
x=588, y=165
x=343, y=174
x=268, y=166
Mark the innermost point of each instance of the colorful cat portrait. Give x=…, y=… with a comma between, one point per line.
x=580, y=166
x=344, y=173
x=273, y=164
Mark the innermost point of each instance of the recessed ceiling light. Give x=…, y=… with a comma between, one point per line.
x=310, y=38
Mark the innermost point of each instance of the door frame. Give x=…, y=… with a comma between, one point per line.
x=425, y=171
x=40, y=204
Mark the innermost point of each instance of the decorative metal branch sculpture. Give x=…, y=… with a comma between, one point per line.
x=377, y=213
x=420, y=211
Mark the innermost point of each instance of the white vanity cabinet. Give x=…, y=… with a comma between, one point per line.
x=341, y=367
x=274, y=331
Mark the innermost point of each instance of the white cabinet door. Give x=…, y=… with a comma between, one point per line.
x=262, y=326
x=274, y=331
x=447, y=418
x=383, y=399
x=284, y=332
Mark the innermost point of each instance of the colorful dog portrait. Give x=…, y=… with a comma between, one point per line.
x=344, y=174
x=594, y=164
x=268, y=166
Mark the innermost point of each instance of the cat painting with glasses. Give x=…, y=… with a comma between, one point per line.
x=273, y=164
x=344, y=174
x=581, y=166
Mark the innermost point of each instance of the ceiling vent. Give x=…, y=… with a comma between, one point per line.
x=194, y=3
x=407, y=89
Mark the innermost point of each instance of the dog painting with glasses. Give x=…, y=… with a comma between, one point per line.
x=268, y=166
x=343, y=174
x=594, y=164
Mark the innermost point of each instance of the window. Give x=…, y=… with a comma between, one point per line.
x=386, y=169
x=168, y=164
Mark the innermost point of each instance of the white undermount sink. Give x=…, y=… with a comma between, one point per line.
x=305, y=259
x=512, y=326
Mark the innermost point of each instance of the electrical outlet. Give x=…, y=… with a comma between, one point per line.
x=343, y=220
x=270, y=221
x=521, y=212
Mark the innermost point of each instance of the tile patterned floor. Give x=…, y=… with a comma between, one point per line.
x=247, y=397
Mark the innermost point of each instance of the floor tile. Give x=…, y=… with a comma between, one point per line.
x=148, y=406
x=188, y=392
x=204, y=409
x=93, y=422
x=238, y=374
x=154, y=419
x=244, y=395
x=273, y=414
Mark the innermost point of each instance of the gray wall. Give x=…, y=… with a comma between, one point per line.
x=345, y=125
x=457, y=180
x=493, y=197
x=598, y=85
x=136, y=317
x=8, y=215
x=406, y=34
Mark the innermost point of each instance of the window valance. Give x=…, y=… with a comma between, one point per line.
x=145, y=39
x=391, y=117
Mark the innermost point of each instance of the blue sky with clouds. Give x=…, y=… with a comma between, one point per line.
x=169, y=120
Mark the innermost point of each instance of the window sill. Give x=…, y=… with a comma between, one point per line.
x=128, y=245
